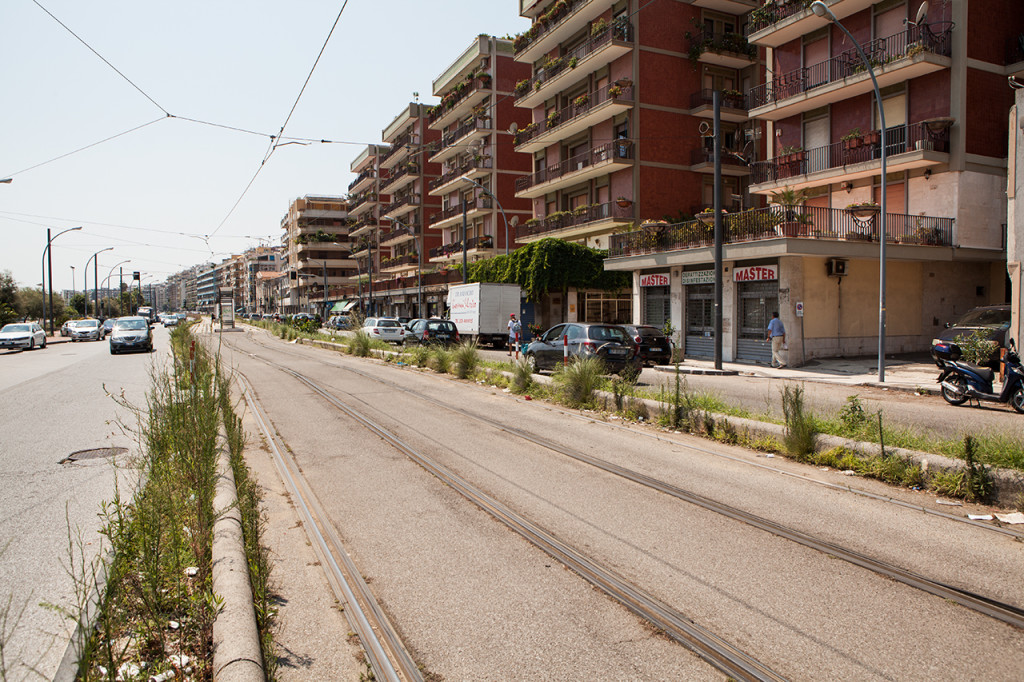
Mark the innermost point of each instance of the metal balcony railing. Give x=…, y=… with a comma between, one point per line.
x=460, y=170
x=368, y=173
x=483, y=202
x=619, y=149
x=732, y=99
x=459, y=92
x=898, y=140
x=452, y=138
x=409, y=168
x=542, y=27
x=579, y=216
x=932, y=38
x=580, y=106
x=400, y=231
x=773, y=222
x=446, y=250
x=400, y=142
x=772, y=13
x=721, y=41
x=400, y=201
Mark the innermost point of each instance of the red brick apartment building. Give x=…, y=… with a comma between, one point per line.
x=944, y=93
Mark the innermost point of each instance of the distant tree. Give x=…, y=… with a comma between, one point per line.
x=8, y=297
x=78, y=303
x=29, y=303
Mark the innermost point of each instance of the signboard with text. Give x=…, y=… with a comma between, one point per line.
x=654, y=280
x=698, y=277
x=756, y=273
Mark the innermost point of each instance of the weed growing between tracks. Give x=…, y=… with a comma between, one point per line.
x=159, y=606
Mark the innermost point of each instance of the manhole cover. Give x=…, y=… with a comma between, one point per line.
x=94, y=453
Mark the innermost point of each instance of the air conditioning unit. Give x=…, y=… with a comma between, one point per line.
x=835, y=267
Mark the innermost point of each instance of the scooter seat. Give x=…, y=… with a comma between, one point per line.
x=985, y=373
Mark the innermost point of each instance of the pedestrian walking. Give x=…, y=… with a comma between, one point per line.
x=514, y=327
x=777, y=337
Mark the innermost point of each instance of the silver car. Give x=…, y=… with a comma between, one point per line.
x=22, y=335
x=384, y=328
x=131, y=333
x=87, y=330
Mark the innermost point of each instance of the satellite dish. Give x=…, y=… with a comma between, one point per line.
x=514, y=221
x=513, y=128
x=922, y=12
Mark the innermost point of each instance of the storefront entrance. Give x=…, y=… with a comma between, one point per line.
x=700, y=320
x=757, y=302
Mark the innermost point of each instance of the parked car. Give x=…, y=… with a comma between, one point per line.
x=22, y=335
x=87, y=330
x=65, y=329
x=108, y=326
x=425, y=331
x=131, y=333
x=302, y=317
x=609, y=342
x=339, y=322
x=993, y=320
x=384, y=328
x=170, y=320
x=653, y=347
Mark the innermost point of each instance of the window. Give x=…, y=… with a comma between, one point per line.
x=606, y=306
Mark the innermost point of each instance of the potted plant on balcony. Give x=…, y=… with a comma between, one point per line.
x=852, y=139
x=614, y=91
x=581, y=101
x=789, y=200
x=624, y=83
x=791, y=160
x=863, y=210
x=624, y=202
x=598, y=27
x=553, y=119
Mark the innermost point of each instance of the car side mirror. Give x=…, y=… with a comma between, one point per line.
x=948, y=325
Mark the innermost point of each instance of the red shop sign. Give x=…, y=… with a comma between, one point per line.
x=756, y=273
x=654, y=280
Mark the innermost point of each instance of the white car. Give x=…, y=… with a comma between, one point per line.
x=83, y=330
x=384, y=328
x=22, y=335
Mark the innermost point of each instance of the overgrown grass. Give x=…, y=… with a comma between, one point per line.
x=159, y=604
x=466, y=359
x=579, y=381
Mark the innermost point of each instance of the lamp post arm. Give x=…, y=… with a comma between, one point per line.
x=491, y=195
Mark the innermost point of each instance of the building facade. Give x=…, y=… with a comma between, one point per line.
x=318, y=253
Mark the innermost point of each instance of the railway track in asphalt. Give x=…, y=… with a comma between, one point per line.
x=993, y=608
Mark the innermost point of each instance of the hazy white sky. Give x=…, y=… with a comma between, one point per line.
x=153, y=192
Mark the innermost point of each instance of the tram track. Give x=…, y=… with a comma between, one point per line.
x=993, y=608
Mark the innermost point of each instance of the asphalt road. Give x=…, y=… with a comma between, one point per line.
x=475, y=601
x=53, y=402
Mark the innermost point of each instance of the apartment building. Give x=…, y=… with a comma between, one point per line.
x=367, y=225
x=207, y=285
x=620, y=95
x=255, y=260
x=317, y=251
x=815, y=255
x=1014, y=193
x=476, y=119
x=410, y=143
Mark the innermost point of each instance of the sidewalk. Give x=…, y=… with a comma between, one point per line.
x=913, y=373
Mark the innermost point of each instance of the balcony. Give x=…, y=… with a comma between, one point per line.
x=778, y=222
x=399, y=263
x=399, y=149
x=726, y=49
x=459, y=101
x=400, y=234
x=312, y=248
x=401, y=205
x=702, y=160
x=363, y=181
x=361, y=248
x=916, y=145
x=898, y=58
x=598, y=161
x=555, y=26
x=401, y=176
x=313, y=267
x=458, y=140
x=579, y=222
x=734, y=105
x=584, y=112
x=736, y=7
x=1015, y=55
x=453, y=214
x=472, y=168
x=558, y=74
x=774, y=24
x=445, y=252
x=363, y=203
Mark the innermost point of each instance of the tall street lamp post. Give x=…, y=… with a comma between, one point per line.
x=419, y=268
x=491, y=195
x=107, y=279
x=72, y=282
x=48, y=273
x=96, y=282
x=820, y=9
x=323, y=265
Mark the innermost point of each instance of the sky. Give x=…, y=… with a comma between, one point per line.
x=162, y=190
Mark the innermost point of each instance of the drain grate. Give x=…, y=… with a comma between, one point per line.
x=94, y=453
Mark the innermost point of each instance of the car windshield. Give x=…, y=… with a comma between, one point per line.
x=609, y=334
x=15, y=328
x=89, y=323
x=442, y=326
x=992, y=317
x=388, y=323
x=132, y=325
x=649, y=331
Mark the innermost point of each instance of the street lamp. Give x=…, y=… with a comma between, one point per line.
x=5, y=181
x=491, y=194
x=323, y=265
x=107, y=279
x=819, y=9
x=95, y=281
x=419, y=268
x=72, y=282
x=49, y=269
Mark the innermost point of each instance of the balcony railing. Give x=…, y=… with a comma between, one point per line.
x=574, y=218
x=409, y=168
x=365, y=175
x=452, y=211
x=547, y=21
x=399, y=261
x=446, y=250
x=772, y=13
x=398, y=145
x=484, y=242
x=400, y=231
x=580, y=106
x=468, y=165
x=618, y=30
x=400, y=201
x=703, y=155
x=450, y=139
x=898, y=140
x=365, y=198
x=459, y=92
x=732, y=99
x=801, y=222
x=908, y=43
x=606, y=152
x=721, y=41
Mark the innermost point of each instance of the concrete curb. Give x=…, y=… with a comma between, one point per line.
x=236, y=640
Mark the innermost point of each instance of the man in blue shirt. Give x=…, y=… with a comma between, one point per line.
x=777, y=337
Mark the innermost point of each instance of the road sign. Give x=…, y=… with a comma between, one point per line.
x=799, y=308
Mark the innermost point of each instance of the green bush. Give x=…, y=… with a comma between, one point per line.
x=579, y=381
x=466, y=359
x=801, y=432
x=522, y=376
x=440, y=360
x=359, y=344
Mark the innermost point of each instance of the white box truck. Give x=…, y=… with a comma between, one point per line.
x=481, y=310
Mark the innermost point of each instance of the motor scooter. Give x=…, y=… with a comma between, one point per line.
x=962, y=381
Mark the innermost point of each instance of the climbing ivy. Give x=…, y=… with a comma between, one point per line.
x=550, y=265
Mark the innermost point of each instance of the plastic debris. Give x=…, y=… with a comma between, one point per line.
x=173, y=624
x=179, y=660
x=770, y=456
x=127, y=671
x=526, y=397
x=849, y=472
x=163, y=677
x=1014, y=518
x=192, y=571
x=980, y=517
x=949, y=503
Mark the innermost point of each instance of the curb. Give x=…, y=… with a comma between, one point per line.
x=236, y=642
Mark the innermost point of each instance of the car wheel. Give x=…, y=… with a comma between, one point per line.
x=113, y=352
x=957, y=396
x=43, y=345
x=31, y=344
x=1017, y=400
x=531, y=360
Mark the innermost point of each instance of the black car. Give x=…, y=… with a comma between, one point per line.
x=609, y=342
x=653, y=346
x=424, y=331
x=131, y=333
x=993, y=320
x=302, y=317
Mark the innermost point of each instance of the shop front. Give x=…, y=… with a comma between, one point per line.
x=757, y=297
x=656, y=298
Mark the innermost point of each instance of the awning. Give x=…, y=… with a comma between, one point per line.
x=344, y=306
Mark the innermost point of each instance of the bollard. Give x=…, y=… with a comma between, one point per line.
x=565, y=349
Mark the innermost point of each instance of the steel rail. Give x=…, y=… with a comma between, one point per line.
x=385, y=652
x=706, y=644
x=1007, y=613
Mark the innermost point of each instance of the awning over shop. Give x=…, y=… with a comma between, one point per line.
x=344, y=306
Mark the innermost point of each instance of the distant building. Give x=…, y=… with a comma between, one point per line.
x=318, y=251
